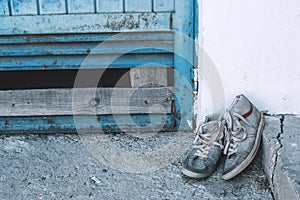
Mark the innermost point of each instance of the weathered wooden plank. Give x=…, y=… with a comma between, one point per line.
x=4, y=9
x=138, y=5
x=164, y=5
x=88, y=124
x=110, y=6
x=24, y=7
x=93, y=61
x=81, y=6
x=110, y=47
x=52, y=7
x=93, y=37
x=184, y=47
x=88, y=23
x=148, y=77
x=85, y=101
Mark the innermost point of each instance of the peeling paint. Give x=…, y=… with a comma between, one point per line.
x=42, y=24
x=190, y=123
x=65, y=23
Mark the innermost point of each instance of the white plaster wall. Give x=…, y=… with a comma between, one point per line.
x=255, y=46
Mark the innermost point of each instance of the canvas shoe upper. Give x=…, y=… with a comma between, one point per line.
x=206, y=150
x=243, y=128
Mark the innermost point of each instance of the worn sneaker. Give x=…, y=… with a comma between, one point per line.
x=243, y=129
x=206, y=151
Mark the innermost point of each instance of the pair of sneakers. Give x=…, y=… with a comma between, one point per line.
x=237, y=135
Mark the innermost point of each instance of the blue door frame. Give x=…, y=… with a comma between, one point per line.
x=179, y=16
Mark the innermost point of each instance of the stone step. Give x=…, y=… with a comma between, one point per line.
x=280, y=153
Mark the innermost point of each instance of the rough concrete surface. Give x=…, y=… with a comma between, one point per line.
x=270, y=146
x=280, y=155
x=287, y=174
x=61, y=167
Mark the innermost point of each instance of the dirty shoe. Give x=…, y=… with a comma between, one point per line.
x=243, y=129
x=206, y=151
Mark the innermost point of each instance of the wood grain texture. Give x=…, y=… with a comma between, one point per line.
x=87, y=23
x=138, y=16
x=148, y=77
x=80, y=48
x=85, y=101
x=70, y=51
x=93, y=61
x=87, y=37
x=184, y=45
x=36, y=7
x=86, y=123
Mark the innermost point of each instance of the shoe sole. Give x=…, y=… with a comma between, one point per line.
x=251, y=155
x=193, y=174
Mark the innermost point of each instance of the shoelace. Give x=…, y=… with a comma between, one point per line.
x=231, y=136
x=204, y=141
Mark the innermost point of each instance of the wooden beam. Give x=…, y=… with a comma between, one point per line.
x=86, y=124
x=87, y=23
x=183, y=24
x=87, y=37
x=141, y=77
x=86, y=62
x=85, y=48
x=85, y=101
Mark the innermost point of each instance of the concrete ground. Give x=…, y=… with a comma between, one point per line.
x=280, y=153
x=142, y=166
x=62, y=167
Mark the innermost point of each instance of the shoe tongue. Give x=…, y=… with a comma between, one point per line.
x=242, y=106
x=210, y=127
